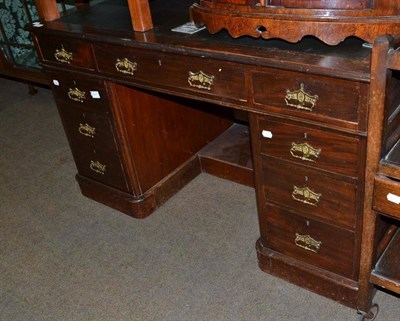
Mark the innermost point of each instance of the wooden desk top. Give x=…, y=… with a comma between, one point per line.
x=110, y=22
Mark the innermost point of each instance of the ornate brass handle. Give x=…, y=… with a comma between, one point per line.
x=305, y=195
x=125, y=66
x=307, y=242
x=98, y=167
x=63, y=56
x=76, y=95
x=305, y=152
x=299, y=99
x=200, y=80
x=87, y=130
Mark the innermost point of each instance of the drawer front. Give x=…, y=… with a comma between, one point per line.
x=80, y=92
x=300, y=144
x=386, y=197
x=312, y=242
x=308, y=96
x=100, y=165
x=310, y=192
x=87, y=129
x=67, y=52
x=205, y=76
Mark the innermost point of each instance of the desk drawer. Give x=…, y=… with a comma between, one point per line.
x=308, y=146
x=209, y=77
x=82, y=92
x=386, y=197
x=67, y=52
x=309, y=192
x=216, y=78
x=100, y=165
x=309, y=241
x=87, y=129
x=306, y=95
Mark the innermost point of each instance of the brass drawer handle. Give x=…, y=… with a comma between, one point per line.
x=125, y=66
x=76, y=95
x=305, y=195
x=200, y=80
x=305, y=152
x=299, y=99
x=87, y=130
x=63, y=56
x=98, y=167
x=307, y=242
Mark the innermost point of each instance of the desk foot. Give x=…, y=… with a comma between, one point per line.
x=371, y=315
x=322, y=282
x=143, y=205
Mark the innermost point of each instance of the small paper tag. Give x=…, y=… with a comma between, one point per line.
x=95, y=94
x=188, y=28
x=266, y=134
x=393, y=198
x=56, y=82
x=37, y=24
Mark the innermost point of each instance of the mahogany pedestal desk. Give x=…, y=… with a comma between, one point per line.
x=145, y=113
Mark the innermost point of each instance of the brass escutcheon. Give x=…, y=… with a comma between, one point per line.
x=305, y=195
x=305, y=152
x=125, y=66
x=300, y=99
x=63, y=56
x=87, y=130
x=200, y=80
x=76, y=95
x=307, y=242
x=97, y=167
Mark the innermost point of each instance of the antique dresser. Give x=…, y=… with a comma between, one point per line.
x=146, y=112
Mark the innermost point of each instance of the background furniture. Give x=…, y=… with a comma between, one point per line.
x=18, y=58
x=331, y=21
x=17, y=55
x=380, y=265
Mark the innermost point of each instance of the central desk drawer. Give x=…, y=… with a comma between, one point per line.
x=179, y=72
x=309, y=192
x=308, y=146
x=315, y=97
x=312, y=242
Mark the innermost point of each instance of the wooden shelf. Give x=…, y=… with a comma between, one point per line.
x=386, y=273
x=390, y=164
x=229, y=156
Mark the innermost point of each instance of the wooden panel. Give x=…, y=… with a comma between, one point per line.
x=387, y=270
x=229, y=156
x=161, y=132
x=220, y=79
x=66, y=51
x=322, y=4
x=284, y=184
x=319, y=98
x=287, y=233
x=325, y=150
x=387, y=196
